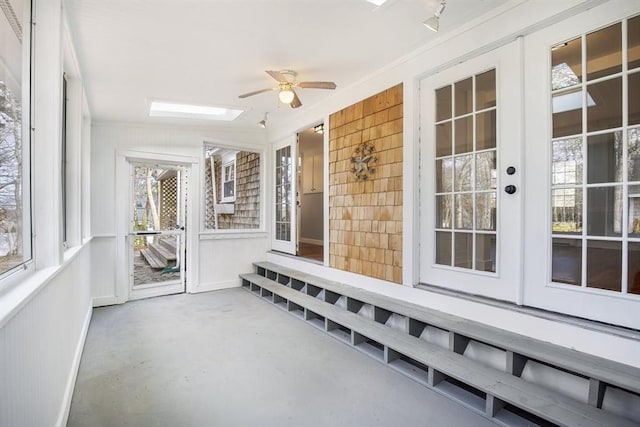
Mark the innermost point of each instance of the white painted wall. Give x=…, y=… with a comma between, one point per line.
x=216, y=258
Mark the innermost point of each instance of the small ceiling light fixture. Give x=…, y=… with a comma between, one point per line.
x=433, y=23
x=263, y=123
x=286, y=95
x=319, y=129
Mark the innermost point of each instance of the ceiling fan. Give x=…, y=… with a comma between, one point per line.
x=286, y=82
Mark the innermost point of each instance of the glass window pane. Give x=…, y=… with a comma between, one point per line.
x=463, y=254
x=486, y=130
x=634, y=268
x=566, y=264
x=567, y=113
x=443, y=248
x=464, y=135
x=604, y=52
x=486, y=90
x=633, y=42
x=464, y=96
x=14, y=189
x=486, y=211
x=634, y=210
x=443, y=211
x=443, y=139
x=566, y=64
x=567, y=161
x=443, y=103
x=566, y=210
x=604, y=265
x=463, y=173
x=634, y=98
x=604, y=158
x=634, y=154
x=464, y=211
x=605, y=112
x=486, y=252
x=604, y=211
x=444, y=175
x=486, y=170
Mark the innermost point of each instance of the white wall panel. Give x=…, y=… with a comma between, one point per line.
x=221, y=260
x=41, y=345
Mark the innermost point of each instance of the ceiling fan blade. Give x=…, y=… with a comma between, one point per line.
x=296, y=101
x=277, y=76
x=317, y=85
x=246, y=95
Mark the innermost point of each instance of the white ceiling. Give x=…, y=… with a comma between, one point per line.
x=210, y=51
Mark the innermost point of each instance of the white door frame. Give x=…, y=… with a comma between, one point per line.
x=505, y=284
x=122, y=206
x=289, y=246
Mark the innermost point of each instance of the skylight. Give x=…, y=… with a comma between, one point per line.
x=570, y=101
x=377, y=2
x=188, y=111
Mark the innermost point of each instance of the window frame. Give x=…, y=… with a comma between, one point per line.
x=17, y=273
x=213, y=233
x=228, y=168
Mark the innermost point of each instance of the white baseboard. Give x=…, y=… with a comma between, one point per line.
x=106, y=300
x=216, y=286
x=311, y=241
x=63, y=417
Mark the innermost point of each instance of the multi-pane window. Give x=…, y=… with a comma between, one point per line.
x=284, y=197
x=15, y=211
x=465, y=167
x=229, y=182
x=595, y=159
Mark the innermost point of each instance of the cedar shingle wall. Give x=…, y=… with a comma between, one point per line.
x=247, y=204
x=365, y=217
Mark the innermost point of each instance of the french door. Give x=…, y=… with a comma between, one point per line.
x=583, y=121
x=285, y=188
x=471, y=195
x=156, y=237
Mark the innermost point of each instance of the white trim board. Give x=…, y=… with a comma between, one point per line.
x=217, y=286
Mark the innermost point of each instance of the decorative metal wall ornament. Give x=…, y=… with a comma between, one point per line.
x=363, y=161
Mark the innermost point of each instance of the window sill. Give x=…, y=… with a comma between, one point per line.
x=233, y=234
x=27, y=284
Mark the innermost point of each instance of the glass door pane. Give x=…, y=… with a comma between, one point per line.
x=285, y=187
x=157, y=228
x=465, y=165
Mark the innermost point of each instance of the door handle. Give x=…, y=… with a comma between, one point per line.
x=510, y=189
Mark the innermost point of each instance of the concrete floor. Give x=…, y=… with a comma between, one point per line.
x=229, y=359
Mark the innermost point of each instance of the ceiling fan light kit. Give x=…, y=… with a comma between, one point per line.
x=286, y=95
x=286, y=83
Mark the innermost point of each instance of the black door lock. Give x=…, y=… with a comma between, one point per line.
x=510, y=189
x=511, y=170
